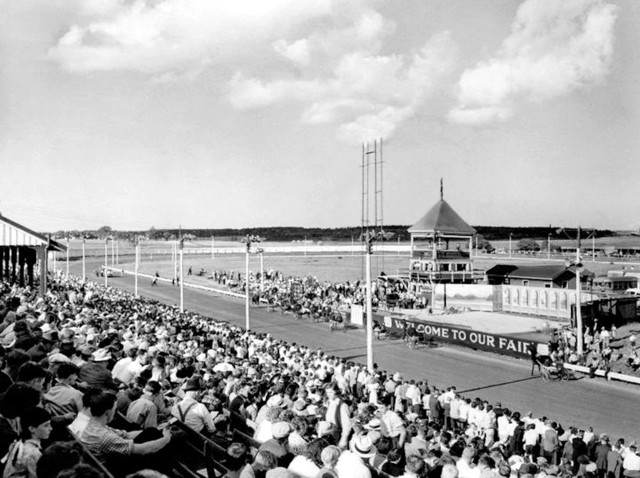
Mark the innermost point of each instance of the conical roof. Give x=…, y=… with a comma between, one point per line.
x=442, y=219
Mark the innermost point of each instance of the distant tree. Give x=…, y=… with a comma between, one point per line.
x=528, y=245
x=154, y=234
x=484, y=244
x=104, y=231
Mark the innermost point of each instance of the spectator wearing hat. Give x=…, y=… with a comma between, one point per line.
x=352, y=462
x=600, y=453
x=95, y=374
x=278, y=444
x=24, y=454
x=62, y=400
x=190, y=411
x=44, y=346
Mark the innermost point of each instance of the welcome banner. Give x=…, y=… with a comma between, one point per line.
x=501, y=344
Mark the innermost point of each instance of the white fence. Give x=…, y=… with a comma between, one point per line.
x=542, y=301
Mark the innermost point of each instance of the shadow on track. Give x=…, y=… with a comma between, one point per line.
x=535, y=377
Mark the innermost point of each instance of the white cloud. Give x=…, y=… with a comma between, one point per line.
x=169, y=36
x=324, y=55
x=368, y=95
x=555, y=47
x=297, y=52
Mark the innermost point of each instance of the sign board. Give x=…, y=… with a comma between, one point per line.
x=357, y=314
x=501, y=344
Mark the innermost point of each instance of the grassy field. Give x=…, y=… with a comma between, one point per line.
x=156, y=256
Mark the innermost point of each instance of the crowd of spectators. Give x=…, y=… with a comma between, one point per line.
x=604, y=349
x=75, y=358
x=308, y=295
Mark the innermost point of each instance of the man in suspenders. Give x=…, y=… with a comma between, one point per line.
x=191, y=412
x=338, y=415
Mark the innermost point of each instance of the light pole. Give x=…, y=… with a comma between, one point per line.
x=67, y=256
x=248, y=240
x=261, y=252
x=106, y=259
x=369, y=238
x=137, y=259
x=578, y=265
x=510, y=237
x=174, y=256
x=549, y=246
x=181, y=274
x=84, y=270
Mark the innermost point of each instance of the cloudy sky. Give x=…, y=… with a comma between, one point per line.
x=235, y=113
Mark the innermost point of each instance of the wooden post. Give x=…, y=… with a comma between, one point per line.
x=31, y=260
x=42, y=253
x=21, y=264
x=14, y=261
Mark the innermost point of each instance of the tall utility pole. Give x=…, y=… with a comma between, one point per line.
x=248, y=241
x=578, y=265
x=371, y=155
x=67, y=256
x=106, y=259
x=137, y=262
x=181, y=242
x=84, y=270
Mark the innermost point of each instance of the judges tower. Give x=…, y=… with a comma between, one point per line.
x=441, y=246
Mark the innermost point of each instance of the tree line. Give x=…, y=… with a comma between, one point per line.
x=339, y=234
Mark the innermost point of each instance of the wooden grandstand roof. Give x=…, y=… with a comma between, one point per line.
x=15, y=234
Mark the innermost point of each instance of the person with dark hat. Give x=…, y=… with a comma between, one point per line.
x=95, y=373
x=190, y=411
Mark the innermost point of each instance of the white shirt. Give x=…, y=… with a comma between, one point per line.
x=351, y=465
x=631, y=462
